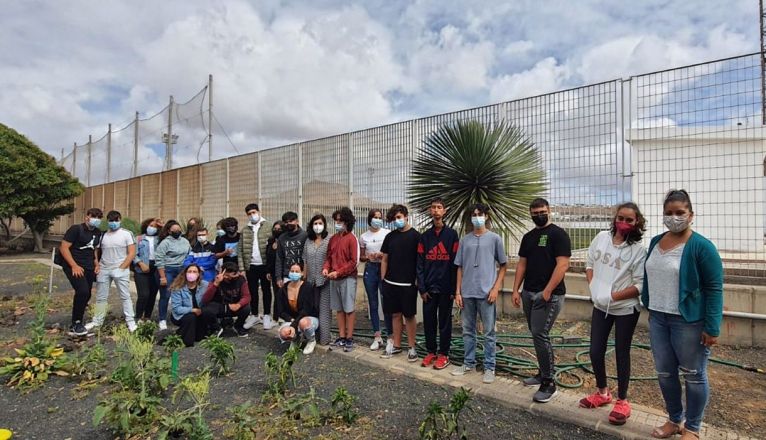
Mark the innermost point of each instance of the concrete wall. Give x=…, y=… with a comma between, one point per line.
x=734, y=331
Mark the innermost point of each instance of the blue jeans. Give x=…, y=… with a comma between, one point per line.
x=372, y=282
x=310, y=331
x=487, y=314
x=171, y=272
x=678, y=351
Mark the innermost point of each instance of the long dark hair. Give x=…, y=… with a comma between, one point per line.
x=166, y=229
x=640, y=226
x=310, y=227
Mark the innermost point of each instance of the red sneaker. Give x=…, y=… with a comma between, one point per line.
x=595, y=400
x=442, y=361
x=620, y=413
x=428, y=360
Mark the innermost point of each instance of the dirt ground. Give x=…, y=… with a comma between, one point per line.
x=392, y=407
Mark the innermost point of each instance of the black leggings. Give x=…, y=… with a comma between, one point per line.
x=601, y=326
x=147, y=286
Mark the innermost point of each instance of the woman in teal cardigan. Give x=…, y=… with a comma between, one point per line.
x=683, y=290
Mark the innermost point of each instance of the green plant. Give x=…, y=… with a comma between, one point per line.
x=442, y=424
x=139, y=368
x=243, y=422
x=173, y=342
x=90, y=362
x=146, y=330
x=37, y=360
x=221, y=353
x=304, y=407
x=497, y=166
x=343, y=406
x=279, y=371
x=188, y=423
x=128, y=412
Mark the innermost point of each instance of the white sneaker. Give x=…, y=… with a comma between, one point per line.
x=132, y=327
x=91, y=325
x=280, y=321
x=250, y=322
x=268, y=324
x=377, y=343
x=163, y=325
x=309, y=348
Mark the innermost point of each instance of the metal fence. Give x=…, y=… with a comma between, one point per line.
x=696, y=127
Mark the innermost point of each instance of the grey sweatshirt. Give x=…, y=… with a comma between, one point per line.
x=171, y=252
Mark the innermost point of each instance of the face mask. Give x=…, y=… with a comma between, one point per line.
x=675, y=223
x=255, y=218
x=94, y=222
x=338, y=227
x=151, y=230
x=276, y=232
x=623, y=228
x=231, y=229
x=399, y=223
x=376, y=223
x=294, y=276
x=202, y=238
x=318, y=228
x=290, y=227
x=114, y=226
x=540, y=220
x=478, y=221
x=220, y=233
x=175, y=234
x=191, y=277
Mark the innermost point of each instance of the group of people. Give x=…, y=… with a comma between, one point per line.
x=313, y=273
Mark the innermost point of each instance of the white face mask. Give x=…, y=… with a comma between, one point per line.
x=676, y=223
x=202, y=238
x=255, y=218
x=318, y=228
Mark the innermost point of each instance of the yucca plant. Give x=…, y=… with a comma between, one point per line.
x=468, y=162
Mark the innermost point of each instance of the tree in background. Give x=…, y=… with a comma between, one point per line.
x=467, y=163
x=32, y=185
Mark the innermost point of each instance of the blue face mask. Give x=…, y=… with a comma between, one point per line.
x=294, y=276
x=151, y=230
x=399, y=223
x=94, y=222
x=478, y=221
x=338, y=227
x=376, y=223
x=114, y=226
x=220, y=233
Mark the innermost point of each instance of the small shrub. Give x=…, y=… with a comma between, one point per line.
x=146, y=330
x=279, y=371
x=221, y=353
x=442, y=424
x=243, y=422
x=173, y=342
x=343, y=406
x=188, y=423
x=128, y=412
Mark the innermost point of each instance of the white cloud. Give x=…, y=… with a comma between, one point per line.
x=546, y=76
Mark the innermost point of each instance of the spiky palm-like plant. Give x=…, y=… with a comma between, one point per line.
x=467, y=162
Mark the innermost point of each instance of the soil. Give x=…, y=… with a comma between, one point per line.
x=391, y=406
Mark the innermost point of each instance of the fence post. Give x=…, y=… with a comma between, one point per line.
x=109, y=154
x=169, y=143
x=350, y=172
x=227, y=187
x=210, y=118
x=300, y=183
x=135, y=147
x=90, y=148
x=74, y=160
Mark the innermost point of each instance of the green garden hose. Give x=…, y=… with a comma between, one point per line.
x=566, y=375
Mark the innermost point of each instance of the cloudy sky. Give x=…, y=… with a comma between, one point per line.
x=288, y=71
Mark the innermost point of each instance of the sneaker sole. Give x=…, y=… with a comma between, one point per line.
x=441, y=368
x=618, y=421
x=545, y=400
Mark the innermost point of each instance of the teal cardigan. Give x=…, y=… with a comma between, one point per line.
x=700, y=284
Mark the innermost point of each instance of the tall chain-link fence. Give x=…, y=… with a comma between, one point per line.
x=697, y=127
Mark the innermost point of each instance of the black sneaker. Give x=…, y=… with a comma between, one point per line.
x=546, y=392
x=241, y=332
x=533, y=381
x=340, y=342
x=348, y=345
x=77, y=329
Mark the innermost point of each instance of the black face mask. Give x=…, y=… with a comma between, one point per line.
x=175, y=234
x=290, y=227
x=231, y=230
x=540, y=220
x=276, y=232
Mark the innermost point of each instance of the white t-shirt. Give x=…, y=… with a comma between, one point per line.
x=114, y=248
x=256, y=259
x=663, y=267
x=152, y=240
x=614, y=268
x=371, y=242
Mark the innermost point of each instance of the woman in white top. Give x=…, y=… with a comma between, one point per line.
x=615, y=272
x=370, y=243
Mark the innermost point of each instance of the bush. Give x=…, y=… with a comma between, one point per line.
x=442, y=424
x=279, y=371
x=221, y=353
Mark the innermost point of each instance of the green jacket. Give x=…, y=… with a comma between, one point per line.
x=245, y=245
x=700, y=283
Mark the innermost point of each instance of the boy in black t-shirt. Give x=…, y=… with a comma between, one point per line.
x=79, y=260
x=543, y=261
x=226, y=246
x=398, y=271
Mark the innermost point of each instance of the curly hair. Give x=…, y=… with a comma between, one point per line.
x=345, y=215
x=638, y=232
x=396, y=209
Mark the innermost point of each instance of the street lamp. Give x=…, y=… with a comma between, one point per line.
x=169, y=141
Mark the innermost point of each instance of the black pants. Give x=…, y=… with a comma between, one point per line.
x=438, y=310
x=541, y=315
x=257, y=275
x=82, y=287
x=191, y=328
x=601, y=326
x=147, y=286
x=214, y=311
